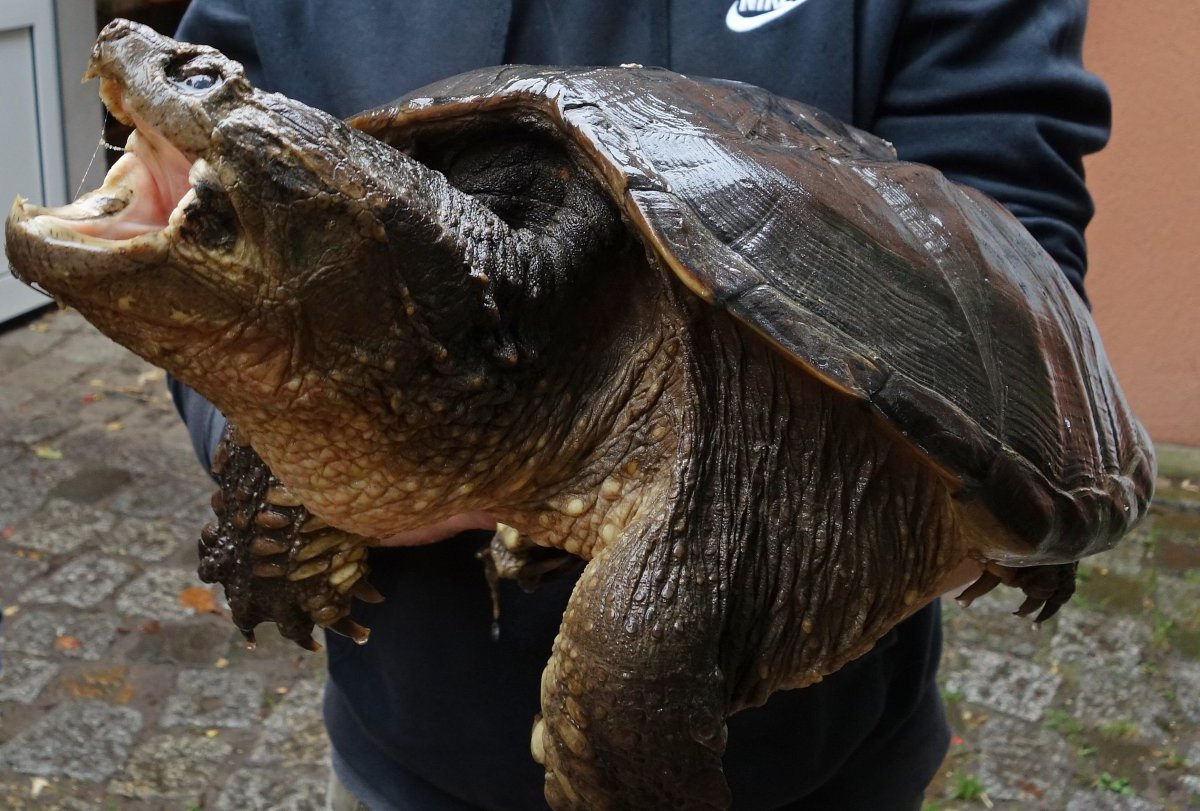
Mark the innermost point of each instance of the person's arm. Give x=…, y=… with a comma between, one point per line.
x=224, y=25
x=993, y=93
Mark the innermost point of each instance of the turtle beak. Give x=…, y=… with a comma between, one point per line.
x=163, y=89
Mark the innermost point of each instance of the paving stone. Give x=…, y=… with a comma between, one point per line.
x=1185, y=678
x=171, y=766
x=188, y=644
x=1005, y=683
x=1127, y=558
x=1193, y=757
x=155, y=594
x=150, y=540
x=1106, y=696
x=90, y=348
x=83, y=583
x=24, y=793
x=18, y=571
x=1023, y=763
x=214, y=698
x=93, y=483
x=34, y=427
x=25, y=481
x=295, y=731
x=154, y=497
x=74, y=636
x=1179, y=600
x=1109, y=801
x=1099, y=640
x=34, y=382
x=85, y=740
x=62, y=526
x=23, y=679
x=27, y=343
x=11, y=451
x=68, y=321
x=258, y=789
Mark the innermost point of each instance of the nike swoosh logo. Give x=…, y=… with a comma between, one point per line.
x=739, y=23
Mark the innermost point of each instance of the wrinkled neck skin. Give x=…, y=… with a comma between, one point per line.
x=475, y=366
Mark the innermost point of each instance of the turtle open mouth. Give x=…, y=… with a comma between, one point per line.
x=145, y=192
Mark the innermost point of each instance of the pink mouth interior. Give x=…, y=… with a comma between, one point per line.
x=138, y=195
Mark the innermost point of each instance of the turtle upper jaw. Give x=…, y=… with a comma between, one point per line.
x=133, y=220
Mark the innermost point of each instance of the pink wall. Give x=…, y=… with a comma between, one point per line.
x=1144, y=276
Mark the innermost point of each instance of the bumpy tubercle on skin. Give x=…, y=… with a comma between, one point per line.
x=540, y=472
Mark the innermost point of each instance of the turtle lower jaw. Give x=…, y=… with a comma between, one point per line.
x=134, y=214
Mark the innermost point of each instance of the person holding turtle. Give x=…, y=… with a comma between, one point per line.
x=434, y=714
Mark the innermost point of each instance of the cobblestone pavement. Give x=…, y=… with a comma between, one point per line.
x=124, y=687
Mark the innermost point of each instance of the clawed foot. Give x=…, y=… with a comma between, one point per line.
x=277, y=561
x=1046, y=587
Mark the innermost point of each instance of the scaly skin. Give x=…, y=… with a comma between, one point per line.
x=277, y=561
x=840, y=533
x=401, y=342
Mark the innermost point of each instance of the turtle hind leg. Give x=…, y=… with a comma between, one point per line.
x=278, y=562
x=633, y=703
x=1046, y=587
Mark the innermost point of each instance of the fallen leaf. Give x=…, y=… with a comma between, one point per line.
x=11, y=610
x=67, y=642
x=200, y=600
x=115, y=425
x=97, y=382
x=40, y=326
x=150, y=627
x=38, y=784
x=8, y=531
x=150, y=376
x=221, y=663
x=45, y=452
x=211, y=733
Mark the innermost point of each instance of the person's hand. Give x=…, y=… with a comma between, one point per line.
x=441, y=530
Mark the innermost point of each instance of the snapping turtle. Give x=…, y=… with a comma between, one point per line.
x=770, y=382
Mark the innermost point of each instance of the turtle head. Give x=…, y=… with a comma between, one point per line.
x=235, y=238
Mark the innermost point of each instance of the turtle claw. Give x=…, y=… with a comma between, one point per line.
x=349, y=628
x=1047, y=588
x=986, y=582
x=278, y=562
x=251, y=640
x=309, y=644
x=366, y=592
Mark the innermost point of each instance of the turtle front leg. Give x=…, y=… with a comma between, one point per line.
x=277, y=561
x=633, y=700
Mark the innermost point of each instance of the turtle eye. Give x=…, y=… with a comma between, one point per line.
x=198, y=81
x=194, y=76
